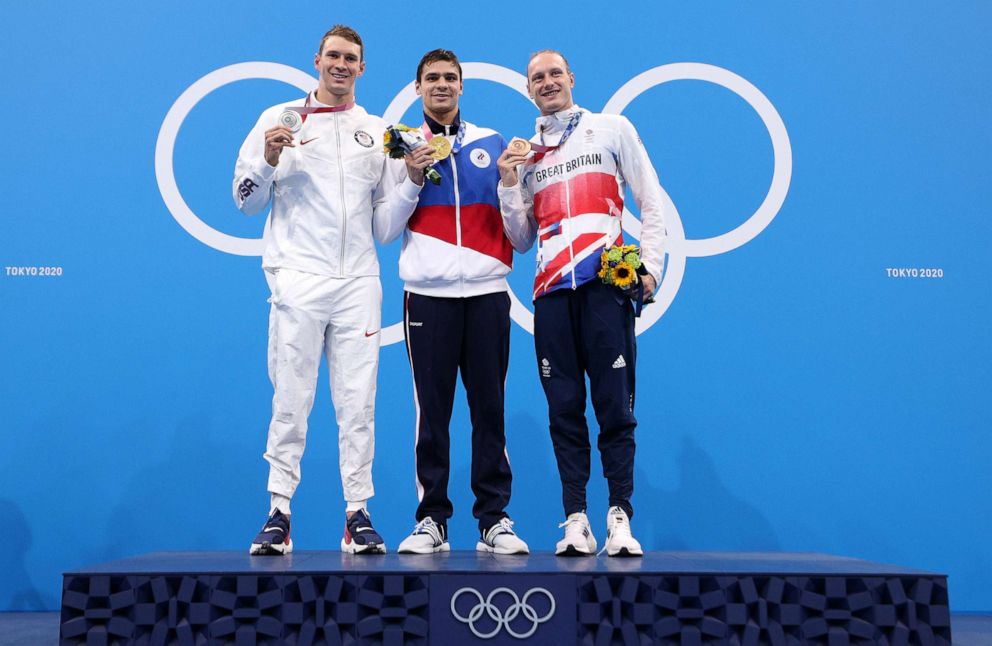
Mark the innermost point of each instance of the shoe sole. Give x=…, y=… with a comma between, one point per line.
x=443, y=547
x=572, y=550
x=483, y=547
x=623, y=552
x=270, y=549
x=355, y=548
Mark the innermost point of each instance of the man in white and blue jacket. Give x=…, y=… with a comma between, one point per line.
x=454, y=262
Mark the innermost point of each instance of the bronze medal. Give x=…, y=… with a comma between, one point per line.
x=519, y=146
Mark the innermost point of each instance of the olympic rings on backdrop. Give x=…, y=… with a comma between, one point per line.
x=501, y=618
x=678, y=246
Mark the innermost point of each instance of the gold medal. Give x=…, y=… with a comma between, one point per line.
x=441, y=146
x=519, y=146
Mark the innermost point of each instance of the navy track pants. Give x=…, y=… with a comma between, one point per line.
x=589, y=330
x=445, y=336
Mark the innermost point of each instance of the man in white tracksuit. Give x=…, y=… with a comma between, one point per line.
x=330, y=187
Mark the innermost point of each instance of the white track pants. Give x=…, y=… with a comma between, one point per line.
x=311, y=314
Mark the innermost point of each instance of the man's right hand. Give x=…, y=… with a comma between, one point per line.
x=276, y=139
x=507, y=165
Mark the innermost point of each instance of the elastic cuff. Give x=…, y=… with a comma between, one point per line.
x=409, y=190
x=266, y=172
x=355, y=506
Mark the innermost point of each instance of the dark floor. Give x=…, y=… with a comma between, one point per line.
x=969, y=629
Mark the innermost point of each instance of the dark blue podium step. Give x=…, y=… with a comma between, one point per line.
x=466, y=597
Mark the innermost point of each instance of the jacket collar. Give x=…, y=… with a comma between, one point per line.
x=552, y=123
x=439, y=129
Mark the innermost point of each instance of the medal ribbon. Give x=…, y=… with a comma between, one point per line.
x=456, y=146
x=573, y=122
x=541, y=149
x=307, y=109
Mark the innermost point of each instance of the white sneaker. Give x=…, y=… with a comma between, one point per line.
x=619, y=541
x=500, y=539
x=427, y=538
x=578, y=540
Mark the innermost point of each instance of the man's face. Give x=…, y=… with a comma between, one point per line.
x=339, y=64
x=439, y=85
x=550, y=83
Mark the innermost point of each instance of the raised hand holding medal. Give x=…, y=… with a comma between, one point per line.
x=401, y=140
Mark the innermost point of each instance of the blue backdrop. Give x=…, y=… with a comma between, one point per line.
x=798, y=392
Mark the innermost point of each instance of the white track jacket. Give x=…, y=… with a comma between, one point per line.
x=330, y=193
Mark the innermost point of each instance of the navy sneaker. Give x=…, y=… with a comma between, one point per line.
x=274, y=539
x=360, y=537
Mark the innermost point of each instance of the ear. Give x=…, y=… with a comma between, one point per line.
x=361, y=69
x=416, y=85
x=461, y=87
x=571, y=80
x=316, y=61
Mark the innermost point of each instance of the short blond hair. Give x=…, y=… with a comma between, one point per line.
x=346, y=32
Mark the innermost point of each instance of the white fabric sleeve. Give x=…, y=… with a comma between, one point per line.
x=393, y=201
x=253, y=176
x=639, y=173
x=516, y=205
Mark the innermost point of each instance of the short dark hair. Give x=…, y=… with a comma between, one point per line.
x=346, y=32
x=436, y=55
x=568, y=68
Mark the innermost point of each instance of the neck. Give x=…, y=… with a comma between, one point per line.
x=445, y=118
x=551, y=112
x=333, y=100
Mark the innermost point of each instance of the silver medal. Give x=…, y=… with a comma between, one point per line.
x=292, y=120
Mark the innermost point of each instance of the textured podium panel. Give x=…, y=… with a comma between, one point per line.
x=464, y=598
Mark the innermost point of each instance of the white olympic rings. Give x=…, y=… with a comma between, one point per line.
x=502, y=620
x=678, y=248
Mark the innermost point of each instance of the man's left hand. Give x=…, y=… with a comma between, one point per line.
x=649, y=286
x=417, y=161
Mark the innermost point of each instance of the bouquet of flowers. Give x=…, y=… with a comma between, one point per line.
x=399, y=140
x=621, y=266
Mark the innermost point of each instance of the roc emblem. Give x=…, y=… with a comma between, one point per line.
x=364, y=139
x=480, y=158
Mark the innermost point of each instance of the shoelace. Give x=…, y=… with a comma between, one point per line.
x=571, y=521
x=504, y=526
x=620, y=526
x=429, y=527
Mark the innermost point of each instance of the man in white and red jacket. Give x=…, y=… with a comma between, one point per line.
x=569, y=195
x=454, y=263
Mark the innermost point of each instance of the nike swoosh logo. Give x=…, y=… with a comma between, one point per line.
x=371, y=333
x=304, y=142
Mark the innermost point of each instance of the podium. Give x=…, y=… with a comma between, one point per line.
x=457, y=598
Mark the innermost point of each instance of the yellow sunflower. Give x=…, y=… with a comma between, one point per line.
x=623, y=275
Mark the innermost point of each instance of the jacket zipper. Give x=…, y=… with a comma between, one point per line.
x=458, y=217
x=571, y=238
x=344, y=206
